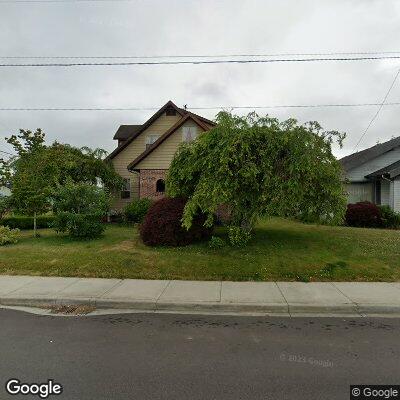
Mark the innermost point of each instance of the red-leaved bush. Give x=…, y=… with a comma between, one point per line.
x=363, y=214
x=162, y=225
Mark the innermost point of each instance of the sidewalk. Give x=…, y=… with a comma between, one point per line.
x=283, y=298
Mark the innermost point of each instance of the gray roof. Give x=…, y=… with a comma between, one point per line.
x=125, y=131
x=391, y=171
x=361, y=157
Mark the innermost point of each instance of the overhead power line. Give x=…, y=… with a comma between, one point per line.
x=377, y=111
x=197, y=108
x=160, y=56
x=197, y=62
x=60, y=1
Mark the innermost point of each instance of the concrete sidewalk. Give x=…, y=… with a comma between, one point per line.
x=283, y=298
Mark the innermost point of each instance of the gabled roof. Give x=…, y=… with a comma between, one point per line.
x=361, y=157
x=391, y=171
x=145, y=126
x=164, y=136
x=207, y=121
x=125, y=131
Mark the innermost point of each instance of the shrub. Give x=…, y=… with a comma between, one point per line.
x=162, y=224
x=80, y=208
x=390, y=218
x=8, y=236
x=238, y=237
x=216, y=243
x=5, y=205
x=23, y=222
x=363, y=214
x=79, y=226
x=115, y=216
x=136, y=210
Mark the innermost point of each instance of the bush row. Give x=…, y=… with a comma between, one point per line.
x=23, y=222
x=369, y=215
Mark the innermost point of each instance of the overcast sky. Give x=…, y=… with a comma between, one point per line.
x=176, y=27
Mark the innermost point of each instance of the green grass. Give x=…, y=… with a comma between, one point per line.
x=280, y=250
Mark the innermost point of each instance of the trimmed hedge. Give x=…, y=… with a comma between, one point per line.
x=23, y=222
x=163, y=225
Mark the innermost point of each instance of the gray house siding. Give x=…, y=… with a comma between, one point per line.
x=385, y=193
x=357, y=192
x=396, y=194
x=374, y=174
x=358, y=174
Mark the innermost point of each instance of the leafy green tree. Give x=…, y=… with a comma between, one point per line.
x=5, y=205
x=40, y=170
x=259, y=166
x=79, y=208
x=80, y=198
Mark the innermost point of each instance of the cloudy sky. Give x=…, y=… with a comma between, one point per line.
x=197, y=27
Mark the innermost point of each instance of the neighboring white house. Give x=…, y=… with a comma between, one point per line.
x=4, y=191
x=374, y=174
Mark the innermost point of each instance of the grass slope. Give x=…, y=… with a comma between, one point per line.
x=280, y=250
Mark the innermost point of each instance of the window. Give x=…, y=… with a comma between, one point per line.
x=160, y=186
x=150, y=139
x=170, y=111
x=189, y=133
x=126, y=190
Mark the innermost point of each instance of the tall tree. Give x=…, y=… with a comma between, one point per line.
x=259, y=166
x=39, y=170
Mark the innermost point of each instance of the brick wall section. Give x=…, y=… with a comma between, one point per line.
x=223, y=214
x=147, y=183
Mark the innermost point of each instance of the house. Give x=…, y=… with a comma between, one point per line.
x=145, y=152
x=4, y=191
x=374, y=174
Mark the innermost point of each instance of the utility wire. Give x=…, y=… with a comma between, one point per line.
x=198, y=108
x=193, y=62
x=203, y=55
x=377, y=111
x=60, y=1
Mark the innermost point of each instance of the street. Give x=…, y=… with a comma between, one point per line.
x=166, y=356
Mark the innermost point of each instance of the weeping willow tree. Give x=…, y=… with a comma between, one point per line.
x=260, y=166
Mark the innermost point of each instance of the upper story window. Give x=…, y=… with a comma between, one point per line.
x=189, y=133
x=126, y=190
x=170, y=111
x=150, y=139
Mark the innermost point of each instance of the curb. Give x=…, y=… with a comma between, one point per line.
x=209, y=307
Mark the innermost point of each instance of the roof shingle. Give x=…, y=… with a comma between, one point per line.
x=354, y=160
x=125, y=131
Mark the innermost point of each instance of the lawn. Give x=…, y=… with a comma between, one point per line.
x=280, y=250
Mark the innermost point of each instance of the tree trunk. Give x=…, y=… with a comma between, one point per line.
x=34, y=224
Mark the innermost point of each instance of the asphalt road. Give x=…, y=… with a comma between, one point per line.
x=164, y=356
